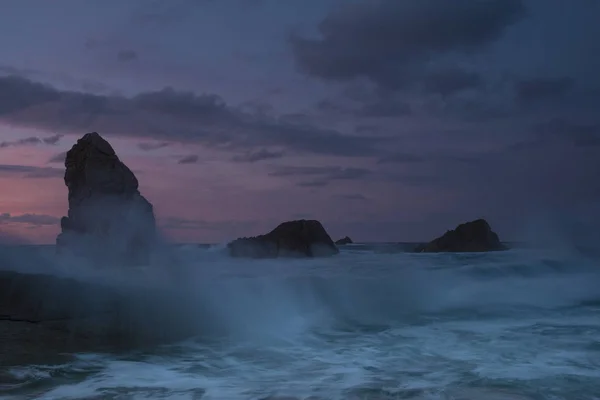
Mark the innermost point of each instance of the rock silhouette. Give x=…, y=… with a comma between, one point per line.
x=343, y=241
x=474, y=236
x=301, y=238
x=44, y=315
x=108, y=218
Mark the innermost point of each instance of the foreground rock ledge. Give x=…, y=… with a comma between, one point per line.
x=108, y=218
x=470, y=237
x=300, y=238
x=42, y=316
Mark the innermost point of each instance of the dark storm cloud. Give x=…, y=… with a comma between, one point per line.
x=127, y=55
x=532, y=90
x=576, y=133
x=29, y=219
x=449, y=81
x=168, y=115
x=390, y=42
x=549, y=171
x=26, y=171
x=191, y=159
x=259, y=155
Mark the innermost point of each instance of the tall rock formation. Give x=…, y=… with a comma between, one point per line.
x=108, y=219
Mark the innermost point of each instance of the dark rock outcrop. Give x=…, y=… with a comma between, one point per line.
x=343, y=241
x=301, y=238
x=48, y=315
x=474, y=236
x=38, y=298
x=108, y=218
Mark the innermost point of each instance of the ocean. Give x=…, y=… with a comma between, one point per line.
x=372, y=323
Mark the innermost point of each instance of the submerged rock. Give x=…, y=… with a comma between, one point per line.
x=343, y=241
x=108, y=218
x=474, y=236
x=301, y=238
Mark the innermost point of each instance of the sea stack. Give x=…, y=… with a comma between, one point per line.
x=300, y=238
x=474, y=236
x=344, y=241
x=108, y=219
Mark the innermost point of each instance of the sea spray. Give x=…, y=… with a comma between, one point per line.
x=365, y=324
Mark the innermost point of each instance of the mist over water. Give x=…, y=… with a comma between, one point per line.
x=371, y=323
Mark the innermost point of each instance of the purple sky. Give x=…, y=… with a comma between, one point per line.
x=385, y=119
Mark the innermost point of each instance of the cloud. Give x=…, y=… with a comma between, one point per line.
x=155, y=13
x=385, y=107
x=10, y=70
x=177, y=223
x=65, y=79
x=391, y=42
x=547, y=172
x=321, y=176
x=29, y=219
x=152, y=146
x=585, y=135
x=260, y=155
x=326, y=172
x=353, y=197
x=191, y=159
x=169, y=115
x=58, y=158
x=452, y=80
x=315, y=183
x=27, y=171
x=51, y=140
x=127, y=56
x=539, y=89
x=401, y=158
x=181, y=223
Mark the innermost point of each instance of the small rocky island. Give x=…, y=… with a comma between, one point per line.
x=343, y=241
x=474, y=236
x=300, y=238
x=108, y=218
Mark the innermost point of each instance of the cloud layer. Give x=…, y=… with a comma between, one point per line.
x=167, y=115
x=373, y=115
x=393, y=43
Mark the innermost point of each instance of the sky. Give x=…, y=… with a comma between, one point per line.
x=386, y=120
